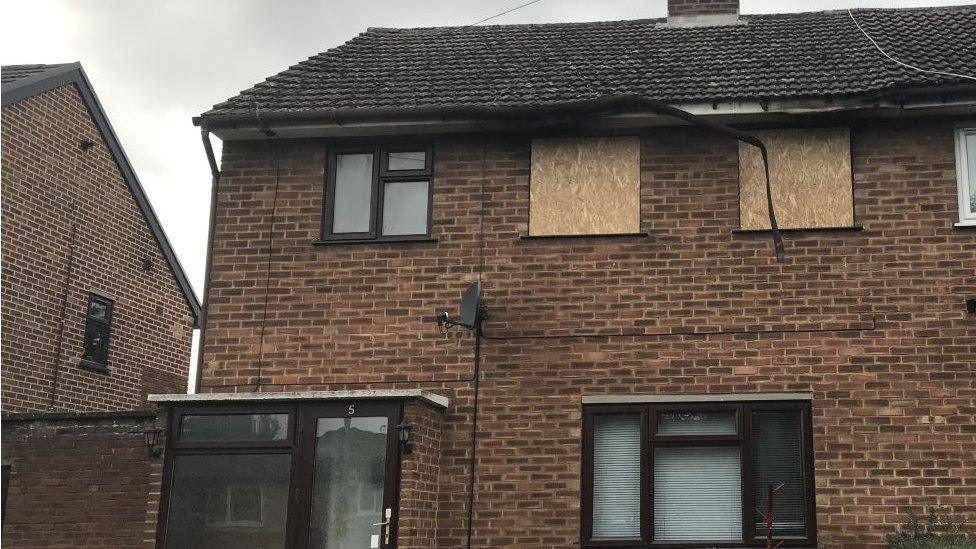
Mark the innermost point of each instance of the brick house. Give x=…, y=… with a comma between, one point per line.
x=97, y=314
x=644, y=368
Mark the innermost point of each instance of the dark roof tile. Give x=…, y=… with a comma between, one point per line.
x=761, y=57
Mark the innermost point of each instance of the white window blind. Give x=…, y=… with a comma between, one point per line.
x=777, y=454
x=966, y=174
x=697, y=493
x=616, y=475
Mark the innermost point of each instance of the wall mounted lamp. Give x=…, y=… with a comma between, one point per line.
x=152, y=441
x=404, y=430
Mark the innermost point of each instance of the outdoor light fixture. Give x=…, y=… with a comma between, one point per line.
x=152, y=439
x=403, y=435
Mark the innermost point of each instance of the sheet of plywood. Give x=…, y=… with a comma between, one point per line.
x=587, y=185
x=810, y=173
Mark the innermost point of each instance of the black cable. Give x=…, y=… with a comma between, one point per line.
x=267, y=280
x=474, y=423
x=500, y=14
x=56, y=375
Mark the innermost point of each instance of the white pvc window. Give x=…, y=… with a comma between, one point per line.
x=966, y=174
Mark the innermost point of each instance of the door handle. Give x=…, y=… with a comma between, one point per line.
x=385, y=525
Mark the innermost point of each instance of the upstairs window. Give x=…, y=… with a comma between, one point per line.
x=695, y=475
x=966, y=173
x=810, y=175
x=585, y=186
x=379, y=193
x=98, y=327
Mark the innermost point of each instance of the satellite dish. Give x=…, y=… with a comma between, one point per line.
x=470, y=303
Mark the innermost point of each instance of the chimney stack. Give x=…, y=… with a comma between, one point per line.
x=703, y=12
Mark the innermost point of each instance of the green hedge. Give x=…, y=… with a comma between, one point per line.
x=938, y=530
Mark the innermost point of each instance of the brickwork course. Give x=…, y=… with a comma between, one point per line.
x=871, y=321
x=78, y=481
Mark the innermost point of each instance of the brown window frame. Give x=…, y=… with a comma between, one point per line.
x=299, y=444
x=381, y=176
x=650, y=439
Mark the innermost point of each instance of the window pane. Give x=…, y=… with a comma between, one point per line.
x=777, y=454
x=353, y=193
x=696, y=423
x=96, y=343
x=697, y=494
x=234, y=427
x=348, y=483
x=405, y=208
x=971, y=159
x=411, y=160
x=98, y=309
x=616, y=476
x=228, y=501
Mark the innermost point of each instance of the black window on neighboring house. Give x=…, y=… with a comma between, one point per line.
x=378, y=193
x=684, y=475
x=98, y=328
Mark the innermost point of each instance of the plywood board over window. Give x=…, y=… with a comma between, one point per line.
x=810, y=172
x=585, y=186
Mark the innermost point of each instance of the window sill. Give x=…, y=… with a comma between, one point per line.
x=93, y=366
x=857, y=227
x=578, y=236
x=400, y=240
x=965, y=225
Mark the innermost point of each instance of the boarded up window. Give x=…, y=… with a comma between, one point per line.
x=585, y=186
x=810, y=172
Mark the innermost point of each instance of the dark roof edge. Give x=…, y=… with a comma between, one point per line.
x=54, y=416
x=69, y=73
x=52, y=77
x=502, y=112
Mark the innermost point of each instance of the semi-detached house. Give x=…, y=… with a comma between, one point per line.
x=648, y=368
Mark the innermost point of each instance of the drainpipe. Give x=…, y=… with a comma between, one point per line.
x=214, y=193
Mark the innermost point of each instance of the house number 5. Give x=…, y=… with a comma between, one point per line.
x=352, y=409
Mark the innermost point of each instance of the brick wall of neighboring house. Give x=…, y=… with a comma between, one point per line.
x=62, y=205
x=77, y=481
x=872, y=322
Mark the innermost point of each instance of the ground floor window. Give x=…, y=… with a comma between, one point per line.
x=278, y=476
x=686, y=474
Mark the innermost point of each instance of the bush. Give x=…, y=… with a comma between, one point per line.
x=937, y=530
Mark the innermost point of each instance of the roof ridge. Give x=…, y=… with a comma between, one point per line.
x=645, y=20
x=768, y=56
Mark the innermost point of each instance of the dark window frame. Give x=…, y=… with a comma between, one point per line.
x=381, y=176
x=299, y=444
x=90, y=321
x=650, y=439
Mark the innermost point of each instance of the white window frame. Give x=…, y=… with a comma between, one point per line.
x=967, y=216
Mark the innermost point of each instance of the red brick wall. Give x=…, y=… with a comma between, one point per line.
x=871, y=322
x=686, y=8
x=81, y=482
x=49, y=187
x=420, y=478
